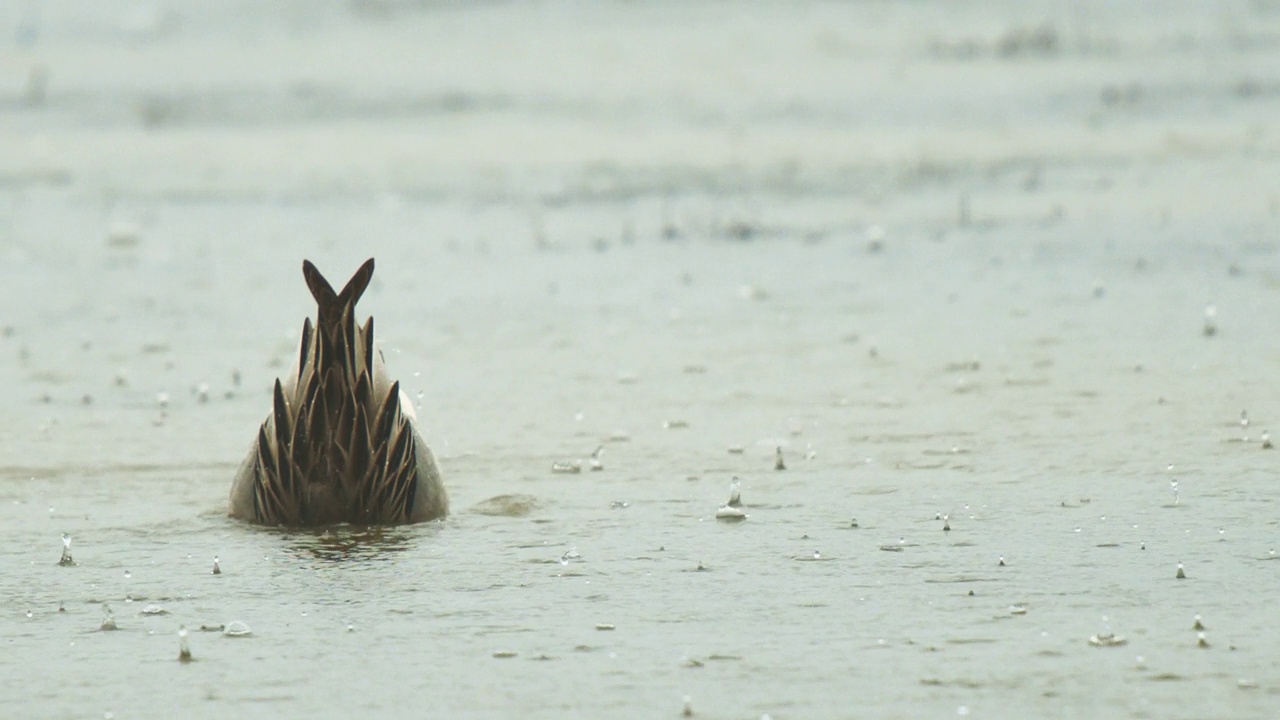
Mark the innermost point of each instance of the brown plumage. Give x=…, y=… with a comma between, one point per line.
x=339, y=445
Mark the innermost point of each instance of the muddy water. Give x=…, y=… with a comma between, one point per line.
x=1009, y=270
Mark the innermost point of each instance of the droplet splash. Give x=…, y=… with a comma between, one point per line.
x=1107, y=640
x=66, y=560
x=732, y=510
x=108, y=619
x=778, y=462
x=184, y=650
x=1181, y=574
x=217, y=570
x=595, y=464
x=1198, y=624
x=236, y=629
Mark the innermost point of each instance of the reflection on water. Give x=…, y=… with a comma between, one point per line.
x=352, y=543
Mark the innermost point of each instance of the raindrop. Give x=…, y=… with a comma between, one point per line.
x=1002, y=561
x=216, y=569
x=184, y=650
x=688, y=707
x=778, y=462
x=66, y=560
x=816, y=555
x=1198, y=624
x=1201, y=640
x=1173, y=484
x=1210, y=321
x=1182, y=574
x=127, y=575
x=162, y=399
x=946, y=523
x=30, y=614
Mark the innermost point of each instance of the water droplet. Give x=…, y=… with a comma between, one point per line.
x=1201, y=640
x=688, y=707
x=778, y=462
x=217, y=570
x=595, y=463
x=30, y=614
x=1181, y=575
x=1198, y=624
x=1002, y=561
x=162, y=399
x=236, y=629
x=127, y=574
x=816, y=555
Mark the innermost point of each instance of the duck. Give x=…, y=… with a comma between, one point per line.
x=341, y=443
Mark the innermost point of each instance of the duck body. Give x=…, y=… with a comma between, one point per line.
x=341, y=443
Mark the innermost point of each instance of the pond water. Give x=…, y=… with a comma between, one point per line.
x=999, y=280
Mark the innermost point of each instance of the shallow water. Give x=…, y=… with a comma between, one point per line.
x=953, y=268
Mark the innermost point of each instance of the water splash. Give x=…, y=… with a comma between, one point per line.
x=236, y=629
x=108, y=619
x=66, y=560
x=732, y=510
x=184, y=650
x=778, y=462
x=595, y=464
x=217, y=570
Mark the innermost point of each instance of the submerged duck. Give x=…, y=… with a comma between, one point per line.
x=341, y=442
